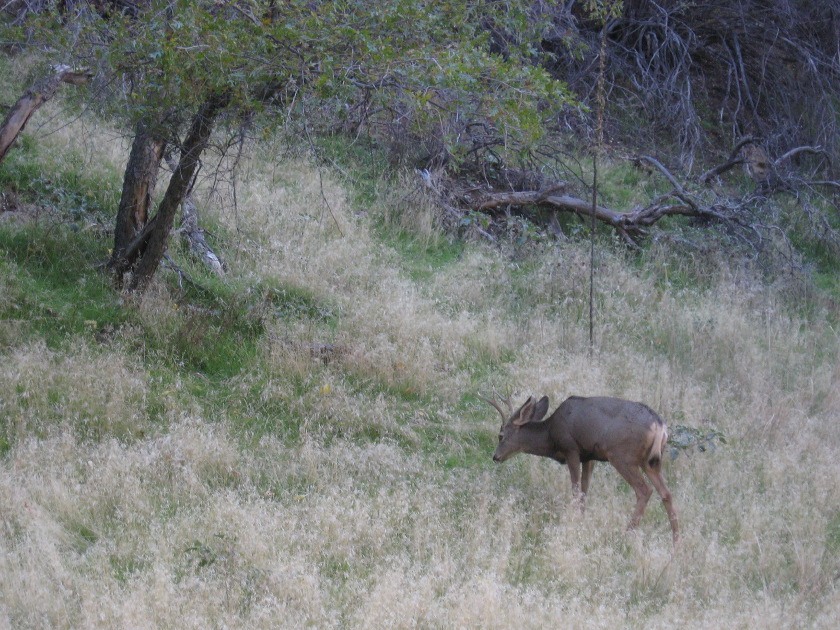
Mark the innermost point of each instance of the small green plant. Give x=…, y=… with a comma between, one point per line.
x=200, y=555
x=472, y=219
x=220, y=553
x=123, y=567
x=685, y=439
x=294, y=303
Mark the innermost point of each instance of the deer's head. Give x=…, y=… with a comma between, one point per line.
x=511, y=438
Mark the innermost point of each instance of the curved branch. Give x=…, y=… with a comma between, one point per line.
x=38, y=93
x=732, y=161
x=720, y=169
x=797, y=150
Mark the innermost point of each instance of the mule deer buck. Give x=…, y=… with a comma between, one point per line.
x=581, y=431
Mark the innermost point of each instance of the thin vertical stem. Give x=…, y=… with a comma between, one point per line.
x=599, y=143
x=592, y=256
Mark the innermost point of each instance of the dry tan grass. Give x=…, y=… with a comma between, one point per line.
x=187, y=530
x=187, y=525
x=95, y=393
x=394, y=329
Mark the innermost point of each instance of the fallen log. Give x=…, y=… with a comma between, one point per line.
x=678, y=202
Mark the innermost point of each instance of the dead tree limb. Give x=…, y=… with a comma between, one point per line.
x=565, y=203
x=824, y=182
x=720, y=169
x=797, y=150
x=36, y=95
x=732, y=161
x=194, y=236
x=665, y=172
x=628, y=224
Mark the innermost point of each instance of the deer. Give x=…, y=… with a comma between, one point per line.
x=582, y=431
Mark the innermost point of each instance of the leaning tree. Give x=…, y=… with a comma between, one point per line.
x=173, y=70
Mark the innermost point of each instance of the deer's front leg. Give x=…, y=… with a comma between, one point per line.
x=573, y=462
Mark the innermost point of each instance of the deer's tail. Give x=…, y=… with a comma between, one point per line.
x=657, y=445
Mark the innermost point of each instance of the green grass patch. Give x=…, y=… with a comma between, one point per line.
x=82, y=536
x=55, y=290
x=52, y=287
x=294, y=303
x=623, y=185
x=360, y=161
x=77, y=192
x=420, y=258
x=218, y=343
x=832, y=534
x=124, y=567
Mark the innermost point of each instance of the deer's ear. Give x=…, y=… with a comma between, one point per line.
x=523, y=416
x=540, y=409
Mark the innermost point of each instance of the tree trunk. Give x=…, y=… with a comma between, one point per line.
x=39, y=93
x=138, y=188
x=155, y=237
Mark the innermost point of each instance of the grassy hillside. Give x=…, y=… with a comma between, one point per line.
x=300, y=444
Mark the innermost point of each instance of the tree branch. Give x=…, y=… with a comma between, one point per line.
x=734, y=160
x=36, y=95
x=797, y=150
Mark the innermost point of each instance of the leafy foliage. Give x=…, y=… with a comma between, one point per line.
x=685, y=439
x=407, y=65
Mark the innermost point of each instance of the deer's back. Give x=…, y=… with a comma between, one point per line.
x=601, y=425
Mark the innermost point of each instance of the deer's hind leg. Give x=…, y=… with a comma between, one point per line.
x=586, y=475
x=654, y=472
x=633, y=475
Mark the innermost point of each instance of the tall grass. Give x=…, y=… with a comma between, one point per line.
x=141, y=488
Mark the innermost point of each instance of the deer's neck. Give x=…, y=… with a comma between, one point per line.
x=537, y=439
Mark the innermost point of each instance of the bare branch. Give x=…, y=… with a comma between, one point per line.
x=677, y=186
x=829, y=183
x=720, y=169
x=39, y=93
x=797, y=150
